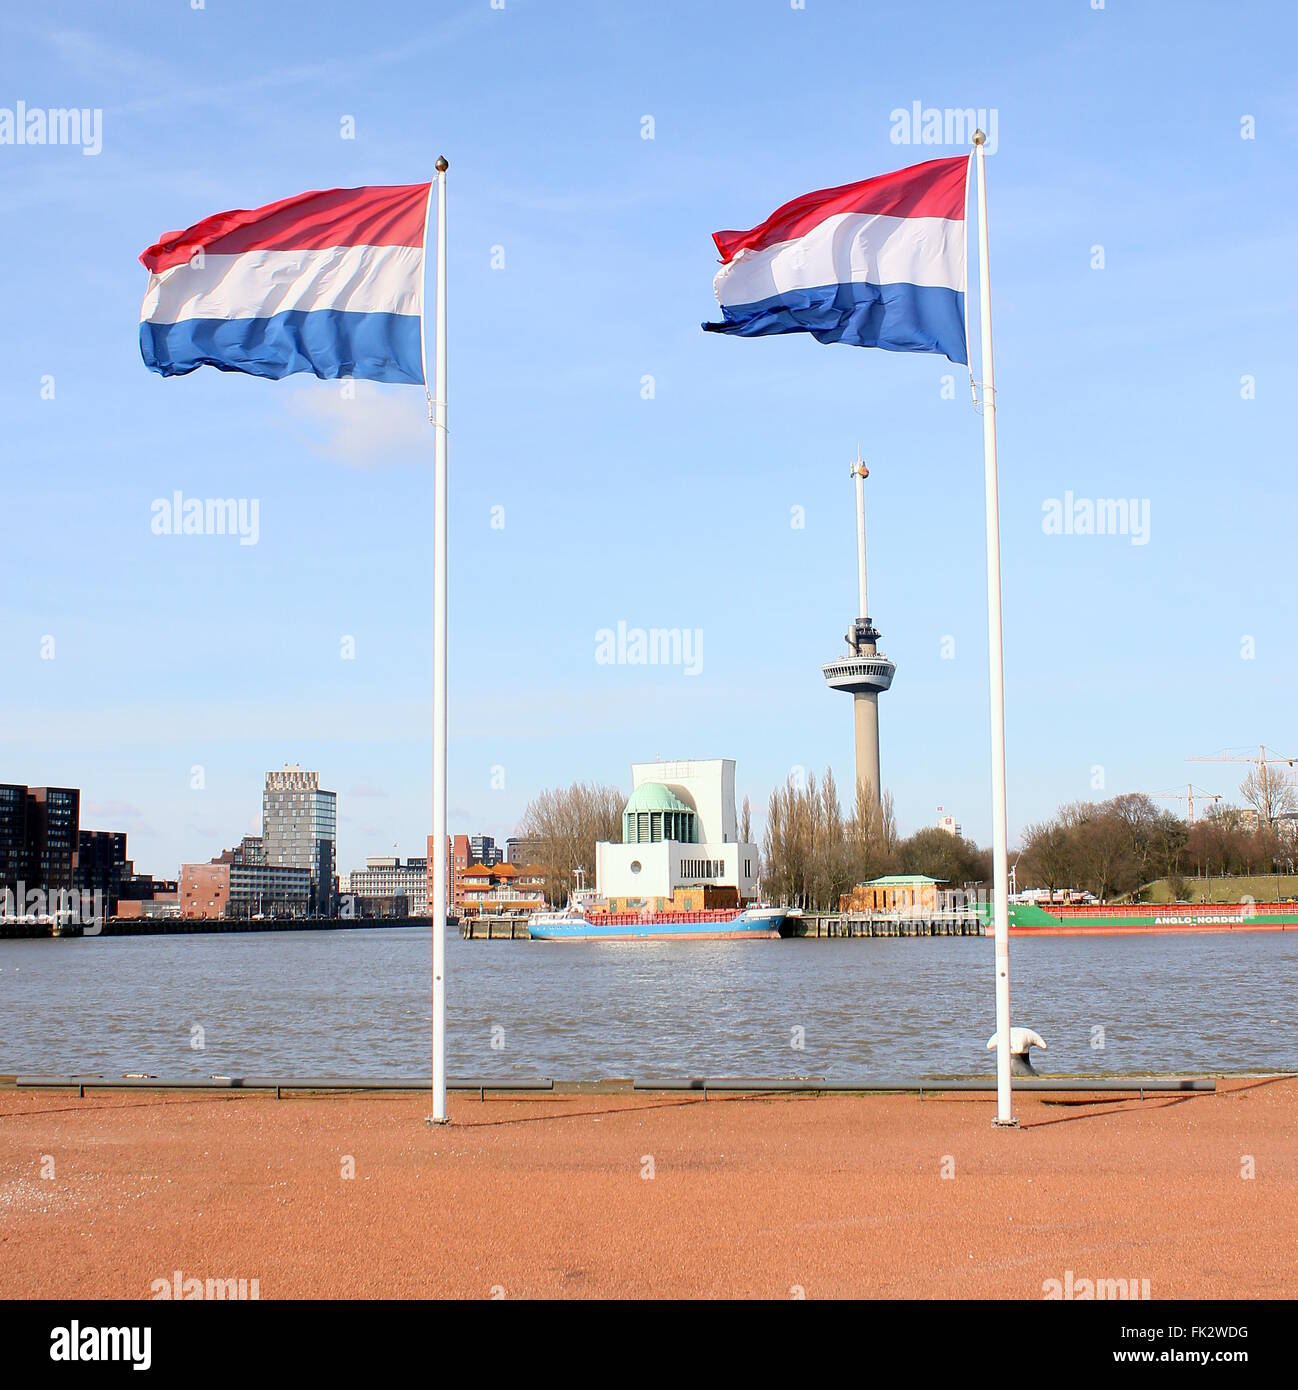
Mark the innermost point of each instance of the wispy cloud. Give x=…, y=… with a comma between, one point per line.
x=361, y=423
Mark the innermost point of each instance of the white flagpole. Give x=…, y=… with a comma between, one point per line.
x=438, y=906
x=996, y=662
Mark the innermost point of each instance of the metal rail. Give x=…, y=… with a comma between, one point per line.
x=757, y=1085
x=933, y=1085
x=279, y=1084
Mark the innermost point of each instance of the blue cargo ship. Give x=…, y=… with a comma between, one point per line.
x=577, y=923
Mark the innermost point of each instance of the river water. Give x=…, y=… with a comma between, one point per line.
x=356, y=1003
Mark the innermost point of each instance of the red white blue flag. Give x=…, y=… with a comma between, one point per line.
x=328, y=282
x=879, y=263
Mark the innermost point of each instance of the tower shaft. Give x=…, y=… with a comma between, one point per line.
x=865, y=709
x=865, y=672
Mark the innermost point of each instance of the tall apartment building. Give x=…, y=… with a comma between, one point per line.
x=53, y=830
x=102, y=865
x=13, y=836
x=484, y=851
x=300, y=830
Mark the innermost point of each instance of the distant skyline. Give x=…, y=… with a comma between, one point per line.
x=611, y=464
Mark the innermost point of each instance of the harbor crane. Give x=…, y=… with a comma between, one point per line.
x=1261, y=762
x=1188, y=795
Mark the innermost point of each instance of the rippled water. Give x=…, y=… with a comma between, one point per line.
x=356, y=1003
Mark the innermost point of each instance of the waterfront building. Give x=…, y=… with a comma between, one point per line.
x=270, y=890
x=161, y=905
x=102, y=864
x=386, y=887
x=227, y=889
x=300, y=830
x=204, y=890
x=13, y=836
x=895, y=893
x=144, y=888
x=865, y=673
x=497, y=889
x=680, y=841
x=53, y=832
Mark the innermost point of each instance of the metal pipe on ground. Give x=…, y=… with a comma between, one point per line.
x=277, y=1084
x=759, y=1085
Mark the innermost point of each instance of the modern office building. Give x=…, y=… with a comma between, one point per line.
x=948, y=823
x=102, y=865
x=300, y=830
x=386, y=887
x=484, y=851
x=13, y=836
x=53, y=831
x=229, y=889
x=269, y=890
x=680, y=839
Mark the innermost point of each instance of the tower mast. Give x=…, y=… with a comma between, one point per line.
x=865, y=672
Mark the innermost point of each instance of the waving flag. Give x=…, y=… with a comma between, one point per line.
x=329, y=282
x=874, y=264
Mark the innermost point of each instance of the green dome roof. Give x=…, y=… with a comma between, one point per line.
x=653, y=796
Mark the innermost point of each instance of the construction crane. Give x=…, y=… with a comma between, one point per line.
x=1262, y=762
x=1188, y=795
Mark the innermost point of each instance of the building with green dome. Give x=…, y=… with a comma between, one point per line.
x=680, y=841
x=656, y=813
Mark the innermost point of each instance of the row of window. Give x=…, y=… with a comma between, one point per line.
x=702, y=868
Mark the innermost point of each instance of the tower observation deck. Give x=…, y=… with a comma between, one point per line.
x=865, y=671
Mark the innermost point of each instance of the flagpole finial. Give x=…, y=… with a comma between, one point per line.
x=979, y=138
x=441, y=166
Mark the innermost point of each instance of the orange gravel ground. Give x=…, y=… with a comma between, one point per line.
x=831, y=1196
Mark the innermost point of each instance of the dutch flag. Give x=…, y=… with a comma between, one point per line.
x=328, y=282
x=874, y=264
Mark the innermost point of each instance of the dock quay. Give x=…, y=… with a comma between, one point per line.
x=18, y=929
x=494, y=928
x=851, y=924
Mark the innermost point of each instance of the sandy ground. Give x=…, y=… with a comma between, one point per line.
x=649, y=1196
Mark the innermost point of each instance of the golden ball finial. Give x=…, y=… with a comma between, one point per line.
x=442, y=166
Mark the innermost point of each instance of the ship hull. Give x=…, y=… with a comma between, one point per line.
x=752, y=924
x=1152, y=920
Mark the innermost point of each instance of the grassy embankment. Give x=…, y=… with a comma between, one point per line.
x=1262, y=888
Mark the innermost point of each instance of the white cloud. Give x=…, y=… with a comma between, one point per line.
x=362, y=423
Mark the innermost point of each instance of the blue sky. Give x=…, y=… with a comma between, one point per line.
x=1118, y=128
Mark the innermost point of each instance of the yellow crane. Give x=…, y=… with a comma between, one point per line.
x=1262, y=762
x=1188, y=795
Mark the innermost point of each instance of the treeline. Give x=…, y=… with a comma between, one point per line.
x=812, y=853
x=1112, y=848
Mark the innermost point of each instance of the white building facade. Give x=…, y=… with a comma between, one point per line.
x=679, y=830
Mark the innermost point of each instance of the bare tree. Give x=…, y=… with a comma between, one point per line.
x=1048, y=855
x=565, y=823
x=1271, y=793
